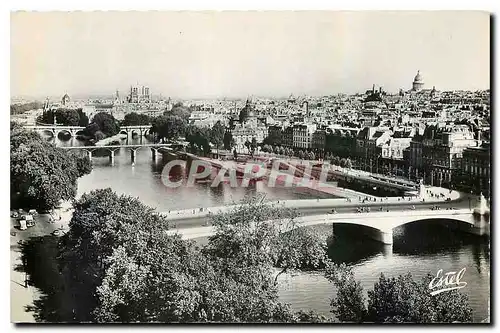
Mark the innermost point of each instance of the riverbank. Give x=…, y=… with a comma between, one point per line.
x=111, y=140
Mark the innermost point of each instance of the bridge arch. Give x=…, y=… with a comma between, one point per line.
x=464, y=221
x=123, y=132
x=64, y=132
x=47, y=132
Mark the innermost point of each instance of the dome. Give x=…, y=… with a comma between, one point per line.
x=418, y=77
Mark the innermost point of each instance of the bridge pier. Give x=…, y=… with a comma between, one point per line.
x=133, y=154
x=384, y=236
x=154, y=153
x=89, y=153
x=112, y=157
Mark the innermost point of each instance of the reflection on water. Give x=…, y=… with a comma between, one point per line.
x=419, y=248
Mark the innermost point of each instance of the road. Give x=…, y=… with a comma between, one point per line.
x=20, y=295
x=351, y=207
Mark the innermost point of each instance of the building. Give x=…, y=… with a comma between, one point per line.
x=442, y=149
x=249, y=128
x=418, y=82
x=340, y=141
x=139, y=95
x=65, y=100
x=303, y=135
x=369, y=144
x=319, y=140
x=288, y=137
x=474, y=171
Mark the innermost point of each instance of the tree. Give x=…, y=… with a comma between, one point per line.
x=179, y=110
x=102, y=222
x=336, y=160
x=168, y=127
x=256, y=233
x=22, y=108
x=217, y=134
x=135, y=119
x=228, y=140
x=102, y=122
x=47, y=117
x=349, y=304
x=67, y=117
x=402, y=299
x=40, y=174
x=248, y=145
x=120, y=265
x=83, y=119
x=253, y=145
x=396, y=300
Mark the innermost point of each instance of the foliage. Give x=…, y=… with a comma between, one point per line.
x=253, y=145
x=66, y=117
x=135, y=119
x=40, y=174
x=179, y=110
x=402, y=300
x=349, y=304
x=228, y=140
x=257, y=233
x=395, y=300
x=217, y=134
x=22, y=108
x=121, y=266
x=103, y=123
x=198, y=138
x=273, y=139
x=101, y=223
x=168, y=127
x=106, y=123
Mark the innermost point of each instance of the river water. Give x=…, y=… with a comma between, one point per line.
x=419, y=248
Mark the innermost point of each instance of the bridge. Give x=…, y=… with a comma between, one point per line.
x=54, y=130
x=378, y=223
x=140, y=129
x=155, y=147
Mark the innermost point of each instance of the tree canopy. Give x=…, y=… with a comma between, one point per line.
x=121, y=266
x=168, y=127
x=395, y=300
x=103, y=123
x=40, y=174
x=179, y=110
x=24, y=107
x=217, y=133
x=136, y=119
x=66, y=117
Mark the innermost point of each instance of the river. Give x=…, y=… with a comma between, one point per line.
x=418, y=248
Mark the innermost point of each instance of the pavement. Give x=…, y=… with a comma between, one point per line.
x=21, y=296
x=190, y=218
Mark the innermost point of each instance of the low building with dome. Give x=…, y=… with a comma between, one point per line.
x=418, y=82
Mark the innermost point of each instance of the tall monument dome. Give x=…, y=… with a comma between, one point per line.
x=418, y=82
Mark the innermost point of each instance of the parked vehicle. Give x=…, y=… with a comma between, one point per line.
x=33, y=212
x=14, y=214
x=28, y=219
x=57, y=232
x=22, y=224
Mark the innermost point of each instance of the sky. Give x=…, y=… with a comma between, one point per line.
x=237, y=54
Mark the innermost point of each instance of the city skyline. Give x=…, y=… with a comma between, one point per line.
x=236, y=54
